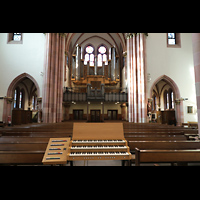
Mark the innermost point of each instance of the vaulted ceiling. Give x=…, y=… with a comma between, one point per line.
x=111, y=39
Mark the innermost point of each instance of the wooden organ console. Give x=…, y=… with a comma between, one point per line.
x=90, y=141
x=97, y=141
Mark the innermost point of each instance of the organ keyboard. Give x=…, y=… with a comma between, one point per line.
x=94, y=141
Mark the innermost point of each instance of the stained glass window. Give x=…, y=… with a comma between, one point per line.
x=91, y=59
x=15, y=99
x=20, y=100
x=172, y=98
x=89, y=49
x=102, y=56
x=167, y=100
x=99, y=60
x=87, y=58
x=171, y=38
x=89, y=55
x=17, y=36
x=102, y=50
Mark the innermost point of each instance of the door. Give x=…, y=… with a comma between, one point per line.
x=95, y=115
x=78, y=114
x=112, y=114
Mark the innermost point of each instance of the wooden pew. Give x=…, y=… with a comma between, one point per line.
x=151, y=132
x=185, y=130
x=27, y=145
x=166, y=156
x=23, y=146
x=164, y=145
x=38, y=134
x=155, y=137
x=25, y=140
x=21, y=157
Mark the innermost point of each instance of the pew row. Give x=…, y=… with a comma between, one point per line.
x=21, y=157
x=166, y=156
x=163, y=145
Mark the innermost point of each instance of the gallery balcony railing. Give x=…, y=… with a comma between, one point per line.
x=80, y=94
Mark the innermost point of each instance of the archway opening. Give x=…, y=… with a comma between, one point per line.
x=21, y=102
x=164, y=108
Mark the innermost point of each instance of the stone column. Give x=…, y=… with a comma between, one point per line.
x=39, y=102
x=137, y=110
x=196, y=57
x=53, y=78
x=78, y=62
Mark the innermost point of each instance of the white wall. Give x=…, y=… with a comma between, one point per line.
x=16, y=59
x=177, y=63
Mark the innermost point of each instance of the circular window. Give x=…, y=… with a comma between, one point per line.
x=102, y=50
x=89, y=49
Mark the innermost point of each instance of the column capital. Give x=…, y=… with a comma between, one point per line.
x=130, y=35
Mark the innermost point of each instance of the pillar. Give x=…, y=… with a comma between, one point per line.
x=136, y=73
x=196, y=57
x=39, y=102
x=53, y=78
x=78, y=62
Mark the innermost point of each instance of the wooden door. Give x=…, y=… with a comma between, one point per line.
x=95, y=115
x=112, y=114
x=78, y=114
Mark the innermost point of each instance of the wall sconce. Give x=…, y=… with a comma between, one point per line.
x=178, y=101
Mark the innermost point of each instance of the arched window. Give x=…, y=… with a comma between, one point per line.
x=154, y=102
x=102, y=56
x=19, y=98
x=16, y=97
x=171, y=99
x=22, y=98
x=89, y=55
x=166, y=100
x=34, y=102
x=171, y=38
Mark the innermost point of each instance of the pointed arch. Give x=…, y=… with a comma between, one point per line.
x=17, y=80
x=10, y=93
x=178, y=107
x=169, y=81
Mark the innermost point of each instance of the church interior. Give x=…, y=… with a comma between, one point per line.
x=129, y=99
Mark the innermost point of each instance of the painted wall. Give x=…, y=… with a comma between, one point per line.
x=16, y=59
x=177, y=63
